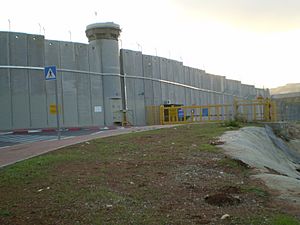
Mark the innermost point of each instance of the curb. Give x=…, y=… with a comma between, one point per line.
x=21, y=131
x=42, y=130
x=49, y=130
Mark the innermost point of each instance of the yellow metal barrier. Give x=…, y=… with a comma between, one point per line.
x=255, y=110
x=153, y=115
x=189, y=114
x=246, y=110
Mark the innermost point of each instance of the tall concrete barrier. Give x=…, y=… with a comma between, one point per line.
x=97, y=83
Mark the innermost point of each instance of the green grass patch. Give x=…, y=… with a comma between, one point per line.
x=256, y=190
x=234, y=164
x=4, y=212
x=232, y=123
x=277, y=219
x=209, y=148
x=283, y=219
x=37, y=167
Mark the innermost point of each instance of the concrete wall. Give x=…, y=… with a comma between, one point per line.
x=204, y=88
x=25, y=96
x=287, y=106
x=5, y=90
x=89, y=83
x=133, y=66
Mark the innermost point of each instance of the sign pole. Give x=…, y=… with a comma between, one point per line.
x=57, y=111
x=50, y=74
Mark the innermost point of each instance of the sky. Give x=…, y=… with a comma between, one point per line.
x=254, y=41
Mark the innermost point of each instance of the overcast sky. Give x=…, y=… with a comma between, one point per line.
x=255, y=41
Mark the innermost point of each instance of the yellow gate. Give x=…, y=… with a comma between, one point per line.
x=255, y=110
x=245, y=110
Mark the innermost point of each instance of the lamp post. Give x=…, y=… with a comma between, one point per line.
x=139, y=47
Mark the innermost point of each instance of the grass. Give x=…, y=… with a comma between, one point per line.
x=283, y=219
x=277, y=219
x=234, y=164
x=232, y=123
x=4, y=212
x=35, y=168
x=256, y=190
x=153, y=177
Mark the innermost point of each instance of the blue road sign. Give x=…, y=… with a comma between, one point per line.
x=180, y=113
x=205, y=112
x=50, y=72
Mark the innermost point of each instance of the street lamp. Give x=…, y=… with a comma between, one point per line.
x=139, y=47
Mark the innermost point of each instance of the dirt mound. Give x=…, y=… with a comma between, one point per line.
x=222, y=199
x=226, y=196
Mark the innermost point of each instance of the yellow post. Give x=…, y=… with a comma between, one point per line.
x=209, y=108
x=192, y=114
x=266, y=110
x=254, y=112
x=236, y=107
x=124, y=122
x=200, y=114
x=171, y=113
x=273, y=114
x=161, y=115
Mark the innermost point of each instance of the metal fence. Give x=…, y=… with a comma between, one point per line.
x=243, y=110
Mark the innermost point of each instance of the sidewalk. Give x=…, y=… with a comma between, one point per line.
x=16, y=153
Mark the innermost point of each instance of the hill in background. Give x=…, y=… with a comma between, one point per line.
x=288, y=88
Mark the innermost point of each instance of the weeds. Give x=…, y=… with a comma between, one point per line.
x=232, y=123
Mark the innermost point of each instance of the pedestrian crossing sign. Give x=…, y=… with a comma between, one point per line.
x=50, y=72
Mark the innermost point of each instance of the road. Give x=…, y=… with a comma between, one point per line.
x=16, y=148
x=8, y=139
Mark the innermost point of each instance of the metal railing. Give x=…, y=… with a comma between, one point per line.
x=244, y=110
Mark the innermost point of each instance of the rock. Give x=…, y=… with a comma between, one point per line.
x=109, y=206
x=225, y=216
x=216, y=142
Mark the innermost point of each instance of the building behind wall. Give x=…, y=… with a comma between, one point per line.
x=96, y=81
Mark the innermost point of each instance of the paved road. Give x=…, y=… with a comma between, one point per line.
x=24, y=150
x=14, y=139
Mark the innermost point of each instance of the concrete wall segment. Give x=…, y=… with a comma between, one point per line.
x=26, y=95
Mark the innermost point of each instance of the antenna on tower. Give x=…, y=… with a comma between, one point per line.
x=9, y=25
